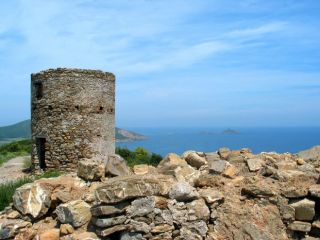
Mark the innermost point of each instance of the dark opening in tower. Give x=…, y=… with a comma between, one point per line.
x=39, y=89
x=41, y=151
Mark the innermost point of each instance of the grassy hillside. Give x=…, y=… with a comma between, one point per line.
x=18, y=130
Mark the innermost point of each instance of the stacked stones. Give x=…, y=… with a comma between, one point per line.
x=217, y=195
x=72, y=117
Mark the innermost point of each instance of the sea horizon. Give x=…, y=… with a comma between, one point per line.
x=163, y=140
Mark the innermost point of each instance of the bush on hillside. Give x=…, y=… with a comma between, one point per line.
x=14, y=149
x=139, y=156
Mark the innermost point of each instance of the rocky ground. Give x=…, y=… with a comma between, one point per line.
x=218, y=195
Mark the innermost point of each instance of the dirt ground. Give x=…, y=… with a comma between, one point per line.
x=12, y=169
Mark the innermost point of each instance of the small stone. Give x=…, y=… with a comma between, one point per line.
x=66, y=229
x=51, y=234
x=108, y=231
x=300, y=226
x=186, y=174
x=230, y=171
x=254, y=164
x=211, y=195
x=141, y=169
x=141, y=207
x=91, y=170
x=162, y=228
x=300, y=161
x=172, y=160
x=194, y=160
x=199, y=209
x=217, y=167
x=131, y=236
x=108, y=209
x=117, y=166
x=293, y=192
x=183, y=191
x=304, y=209
x=224, y=152
x=314, y=190
x=212, y=156
x=108, y=222
x=77, y=213
x=13, y=215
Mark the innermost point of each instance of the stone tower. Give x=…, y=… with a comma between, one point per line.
x=72, y=117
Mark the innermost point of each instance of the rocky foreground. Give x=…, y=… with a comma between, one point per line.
x=219, y=195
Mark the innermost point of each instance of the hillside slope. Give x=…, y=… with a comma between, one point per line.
x=23, y=130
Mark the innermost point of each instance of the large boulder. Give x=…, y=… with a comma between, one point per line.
x=36, y=198
x=117, y=166
x=91, y=170
x=76, y=213
x=33, y=198
x=121, y=188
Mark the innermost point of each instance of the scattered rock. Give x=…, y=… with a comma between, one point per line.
x=217, y=167
x=51, y=234
x=143, y=169
x=224, y=153
x=183, y=191
x=106, y=210
x=117, y=166
x=91, y=170
x=66, y=229
x=172, y=160
x=300, y=226
x=141, y=207
x=194, y=160
x=211, y=195
x=314, y=190
x=230, y=171
x=76, y=213
x=254, y=164
x=304, y=209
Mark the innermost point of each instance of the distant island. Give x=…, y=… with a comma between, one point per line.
x=230, y=132
x=23, y=130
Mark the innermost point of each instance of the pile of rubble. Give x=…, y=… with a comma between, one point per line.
x=218, y=195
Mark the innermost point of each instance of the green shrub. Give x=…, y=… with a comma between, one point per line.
x=7, y=189
x=139, y=156
x=14, y=149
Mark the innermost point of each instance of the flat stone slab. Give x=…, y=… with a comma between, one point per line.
x=120, y=188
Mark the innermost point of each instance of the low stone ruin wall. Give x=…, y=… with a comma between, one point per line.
x=218, y=195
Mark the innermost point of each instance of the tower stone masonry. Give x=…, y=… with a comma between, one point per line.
x=72, y=117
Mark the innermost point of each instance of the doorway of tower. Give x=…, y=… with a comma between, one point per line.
x=41, y=150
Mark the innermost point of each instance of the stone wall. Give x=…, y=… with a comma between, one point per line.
x=72, y=116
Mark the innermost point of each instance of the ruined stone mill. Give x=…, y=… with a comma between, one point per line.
x=72, y=117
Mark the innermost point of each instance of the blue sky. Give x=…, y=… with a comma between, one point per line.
x=178, y=63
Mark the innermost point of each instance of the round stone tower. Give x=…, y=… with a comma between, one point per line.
x=72, y=117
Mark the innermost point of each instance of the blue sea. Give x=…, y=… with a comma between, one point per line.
x=178, y=140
